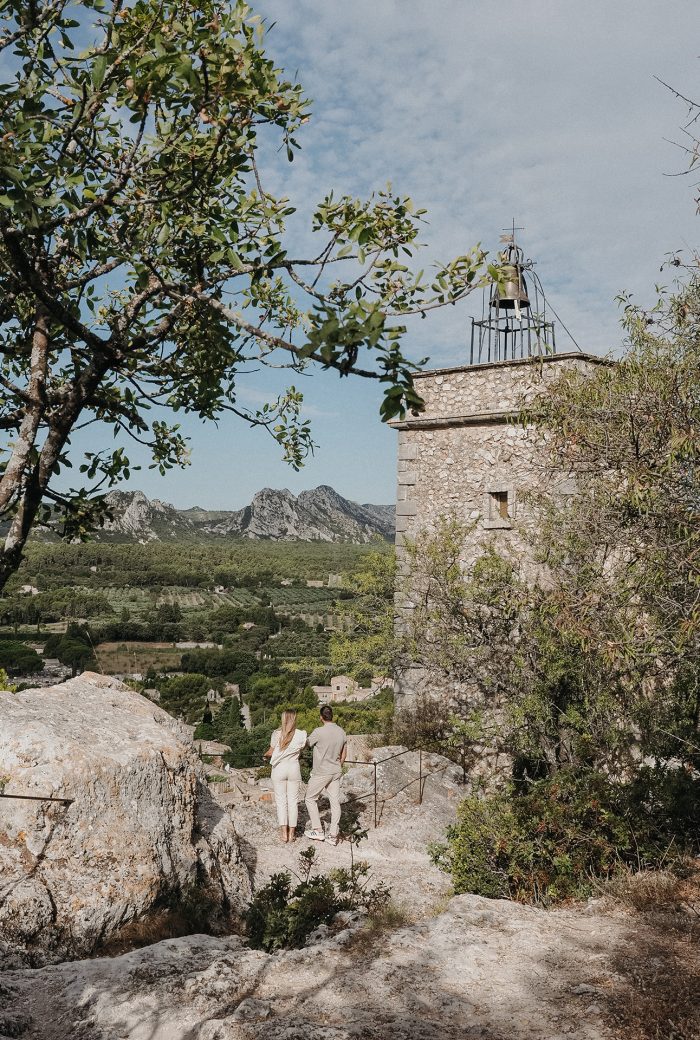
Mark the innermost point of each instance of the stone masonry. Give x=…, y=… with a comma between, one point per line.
x=468, y=456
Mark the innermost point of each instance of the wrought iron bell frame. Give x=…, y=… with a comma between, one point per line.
x=513, y=326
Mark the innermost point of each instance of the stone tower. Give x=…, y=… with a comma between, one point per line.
x=466, y=455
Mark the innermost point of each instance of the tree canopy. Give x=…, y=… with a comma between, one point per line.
x=143, y=261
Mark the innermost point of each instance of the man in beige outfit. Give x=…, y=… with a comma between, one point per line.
x=330, y=748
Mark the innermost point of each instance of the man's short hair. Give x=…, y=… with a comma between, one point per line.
x=327, y=713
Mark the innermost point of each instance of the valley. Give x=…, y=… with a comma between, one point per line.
x=206, y=629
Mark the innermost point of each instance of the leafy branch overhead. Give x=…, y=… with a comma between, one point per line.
x=143, y=262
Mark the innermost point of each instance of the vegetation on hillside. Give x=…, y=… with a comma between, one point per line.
x=269, y=652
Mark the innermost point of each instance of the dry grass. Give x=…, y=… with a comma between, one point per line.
x=136, y=657
x=390, y=918
x=158, y=925
x=660, y=997
x=645, y=890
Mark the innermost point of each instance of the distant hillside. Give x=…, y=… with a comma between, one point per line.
x=318, y=515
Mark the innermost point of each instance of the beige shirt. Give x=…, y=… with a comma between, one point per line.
x=327, y=741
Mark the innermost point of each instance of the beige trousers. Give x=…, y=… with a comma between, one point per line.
x=330, y=786
x=286, y=781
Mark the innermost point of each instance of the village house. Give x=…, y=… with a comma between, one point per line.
x=343, y=688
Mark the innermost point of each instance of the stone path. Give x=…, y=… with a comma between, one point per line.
x=483, y=968
x=396, y=849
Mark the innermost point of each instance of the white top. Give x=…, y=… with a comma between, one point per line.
x=292, y=750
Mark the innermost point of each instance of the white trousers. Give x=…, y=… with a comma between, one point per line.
x=286, y=780
x=330, y=786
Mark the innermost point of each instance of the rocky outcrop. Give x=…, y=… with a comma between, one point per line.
x=142, y=519
x=482, y=968
x=320, y=514
x=141, y=832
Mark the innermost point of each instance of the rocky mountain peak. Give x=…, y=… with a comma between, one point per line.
x=318, y=514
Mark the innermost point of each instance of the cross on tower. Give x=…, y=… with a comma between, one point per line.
x=509, y=236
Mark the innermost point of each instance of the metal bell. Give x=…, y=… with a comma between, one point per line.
x=512, y=293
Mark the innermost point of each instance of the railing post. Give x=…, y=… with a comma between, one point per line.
x=375, y=794
x=420, y=776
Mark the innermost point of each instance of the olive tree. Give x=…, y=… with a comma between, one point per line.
x=625, y=550
x=143, y=262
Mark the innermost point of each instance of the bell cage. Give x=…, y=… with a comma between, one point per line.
x=514, y=319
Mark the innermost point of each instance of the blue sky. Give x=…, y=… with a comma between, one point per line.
x=547, y=112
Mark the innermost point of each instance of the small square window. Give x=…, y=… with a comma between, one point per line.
x=499, y=508
x=499, y=505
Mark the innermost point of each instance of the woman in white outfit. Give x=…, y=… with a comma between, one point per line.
x=286, y=744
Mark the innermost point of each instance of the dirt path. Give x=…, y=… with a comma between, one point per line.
x=396, y=849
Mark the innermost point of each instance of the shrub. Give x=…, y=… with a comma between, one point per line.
x=283, y=914
x=551, y=842
x=72, y=648
x=5, y=685
x=18, y=657
x=204, y=731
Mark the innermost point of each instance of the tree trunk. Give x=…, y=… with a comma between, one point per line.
x=35, y=404
x=30, y=487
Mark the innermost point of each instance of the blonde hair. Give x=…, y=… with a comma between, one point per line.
x=287, y=728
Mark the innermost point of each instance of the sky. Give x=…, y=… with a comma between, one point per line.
x=548, y=112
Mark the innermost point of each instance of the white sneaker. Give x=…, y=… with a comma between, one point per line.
x=331, y=839
x=315, y=835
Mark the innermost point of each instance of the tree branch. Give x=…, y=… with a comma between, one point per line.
x=184, y=293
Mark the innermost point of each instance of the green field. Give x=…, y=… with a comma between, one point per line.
x=135, y=602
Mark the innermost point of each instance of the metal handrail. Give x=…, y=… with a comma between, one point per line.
x=420, y=779
x=226, y=786
x=38, y=798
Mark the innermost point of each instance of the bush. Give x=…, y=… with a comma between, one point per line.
x=284, y=914
x=73, y=648
x=204, y=731
x=247, y=747
x=551, y=842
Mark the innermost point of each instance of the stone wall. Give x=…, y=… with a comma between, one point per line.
x=496, y=387
x=468, y=455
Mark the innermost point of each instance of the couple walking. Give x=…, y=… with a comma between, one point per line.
x=330, y=748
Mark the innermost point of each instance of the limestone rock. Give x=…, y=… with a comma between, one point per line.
x=482, y=968
x=142, y=831
x=320, y=514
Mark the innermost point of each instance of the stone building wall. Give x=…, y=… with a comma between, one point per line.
x=467, y=455
x=473, y=390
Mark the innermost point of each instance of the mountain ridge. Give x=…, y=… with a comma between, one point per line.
x=318, y=514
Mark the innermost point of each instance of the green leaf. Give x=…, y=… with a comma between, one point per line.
x=97, y=73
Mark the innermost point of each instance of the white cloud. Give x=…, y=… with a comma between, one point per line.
x=546, y=111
